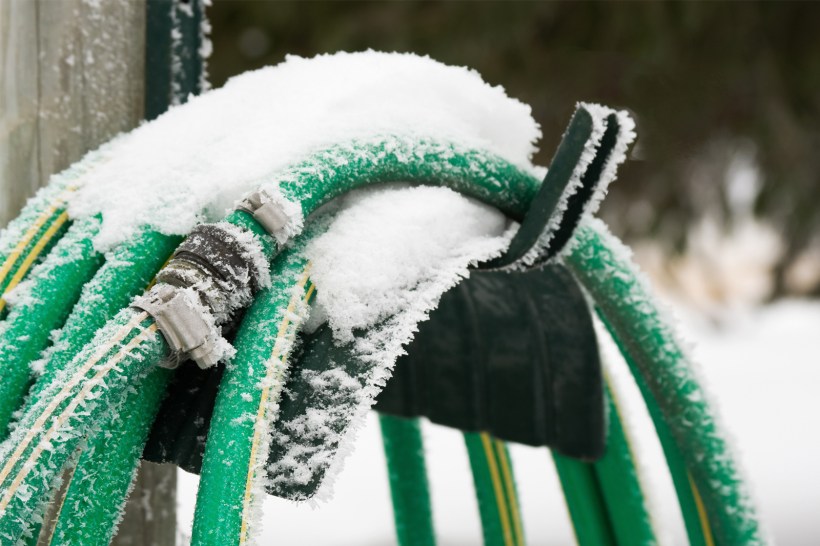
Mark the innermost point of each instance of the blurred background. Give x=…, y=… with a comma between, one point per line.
x=719, y=201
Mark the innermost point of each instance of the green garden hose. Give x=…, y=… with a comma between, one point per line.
x=247, y=402
x=495, y=490
x=311, y=184
x=36, y=453
x=41, y=223
x=620, y=485
x=697, y=525
x=28, y=236
x=407, y=473
x=605, y=498
x=102, y=477
x=96, y=495
x=585, y=501
x=121, y=355
x=601, y=264
x=56, y=286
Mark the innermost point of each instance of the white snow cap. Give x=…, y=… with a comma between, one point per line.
x=194, y=162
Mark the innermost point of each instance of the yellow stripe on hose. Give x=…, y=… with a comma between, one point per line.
x=28, y=466
x=506, y=471
x=276, y=356
x=499, y=492
x=704, y=519
x=32, y=231
x=65, y=390
x=35, y=252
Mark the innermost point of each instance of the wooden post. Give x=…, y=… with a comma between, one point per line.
x=72, y=76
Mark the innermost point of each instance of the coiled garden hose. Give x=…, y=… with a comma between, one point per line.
x=124, y=352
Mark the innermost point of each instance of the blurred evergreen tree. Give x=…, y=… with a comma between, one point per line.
x=703, y=80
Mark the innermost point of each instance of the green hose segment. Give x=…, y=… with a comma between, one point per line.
x=247, y=402
x=475, y=173
x=56, y=286
x=19, y=239
x=90, y=389
x=106, y=469
x=409, y=490
x=585, y=501
x=605, y=498
x=697, y=525
x=621, y=489
x=20, y=264
x=127, y=271
x=495, y=490
x=601, y=265
x=41, y=223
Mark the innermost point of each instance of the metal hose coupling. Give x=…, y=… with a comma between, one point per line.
x=212, y=274
x=279, y=216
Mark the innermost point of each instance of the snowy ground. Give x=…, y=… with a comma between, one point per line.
x=760, y=365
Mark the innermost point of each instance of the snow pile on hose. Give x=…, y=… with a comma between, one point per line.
x=390, y=254
x=194, y=162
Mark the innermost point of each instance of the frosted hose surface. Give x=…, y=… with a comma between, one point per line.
x=45, y=303
x=39, y=223
x=246, y=404
x=311, y=184
x=94, y=384
x=601, y=264
x=105, y=470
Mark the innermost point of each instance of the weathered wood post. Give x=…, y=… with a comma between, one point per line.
x=72, y=75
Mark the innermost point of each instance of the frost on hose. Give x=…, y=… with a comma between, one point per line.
x=653, y=348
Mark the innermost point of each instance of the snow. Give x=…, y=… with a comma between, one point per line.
x=759, y=364
x=391, y=252
x=194, y=162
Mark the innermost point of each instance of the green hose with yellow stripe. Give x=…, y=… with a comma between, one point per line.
x=495, y=490
x=605, y=498
x=246, y=405
x=671, y=390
